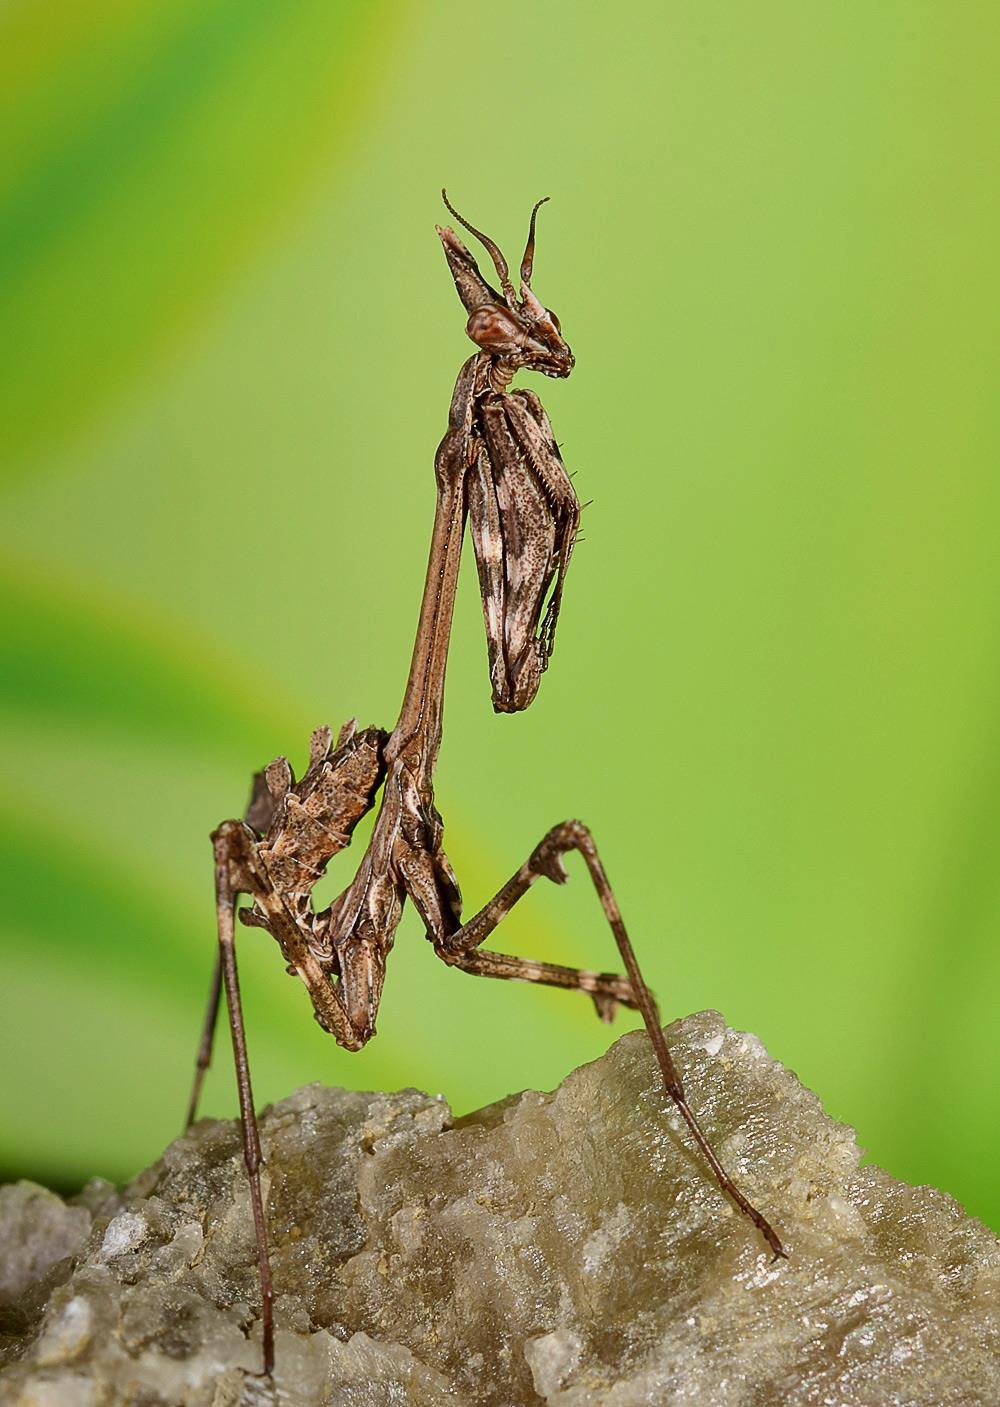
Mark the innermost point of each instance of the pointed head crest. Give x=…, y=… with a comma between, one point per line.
x=517, y=331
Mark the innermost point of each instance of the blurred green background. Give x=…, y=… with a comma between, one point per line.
x=229, y=343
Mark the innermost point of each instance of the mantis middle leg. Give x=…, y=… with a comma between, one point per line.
x=461, y=948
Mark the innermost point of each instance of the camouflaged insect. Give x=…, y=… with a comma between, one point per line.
x=499, y=469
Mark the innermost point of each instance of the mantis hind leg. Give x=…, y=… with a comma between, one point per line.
x=461, y=948
x=256, y=815
x=227, y=869
x=204, y=1057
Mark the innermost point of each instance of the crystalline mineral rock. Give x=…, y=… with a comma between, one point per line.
x=567, y=1248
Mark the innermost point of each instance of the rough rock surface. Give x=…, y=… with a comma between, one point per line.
x=566, y=1248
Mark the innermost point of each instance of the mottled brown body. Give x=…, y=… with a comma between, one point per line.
x=498, y=467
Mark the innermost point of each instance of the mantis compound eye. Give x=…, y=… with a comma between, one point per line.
x=495, y=329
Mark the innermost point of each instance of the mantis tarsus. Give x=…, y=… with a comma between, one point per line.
x=498, y=467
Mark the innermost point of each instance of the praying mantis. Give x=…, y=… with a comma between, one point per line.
x=499, y=470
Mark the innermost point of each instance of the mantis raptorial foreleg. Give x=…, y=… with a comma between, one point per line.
x=523, y=516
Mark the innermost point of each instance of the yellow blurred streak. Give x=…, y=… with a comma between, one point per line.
x=36, y=42
x=145, y=164
x=70, y=650
x=55, y=65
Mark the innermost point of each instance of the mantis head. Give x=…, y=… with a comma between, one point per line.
x=516, y=331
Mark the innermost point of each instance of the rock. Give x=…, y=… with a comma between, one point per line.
x=567, y=1248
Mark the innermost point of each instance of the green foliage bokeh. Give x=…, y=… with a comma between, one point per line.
x=229, y=343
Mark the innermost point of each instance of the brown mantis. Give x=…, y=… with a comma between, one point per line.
x=497, y=467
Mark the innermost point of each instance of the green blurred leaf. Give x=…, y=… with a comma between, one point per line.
x=143, y=165
x=68, y=651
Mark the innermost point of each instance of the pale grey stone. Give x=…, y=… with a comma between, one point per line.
x=566, y=1248
x=38, y=1232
